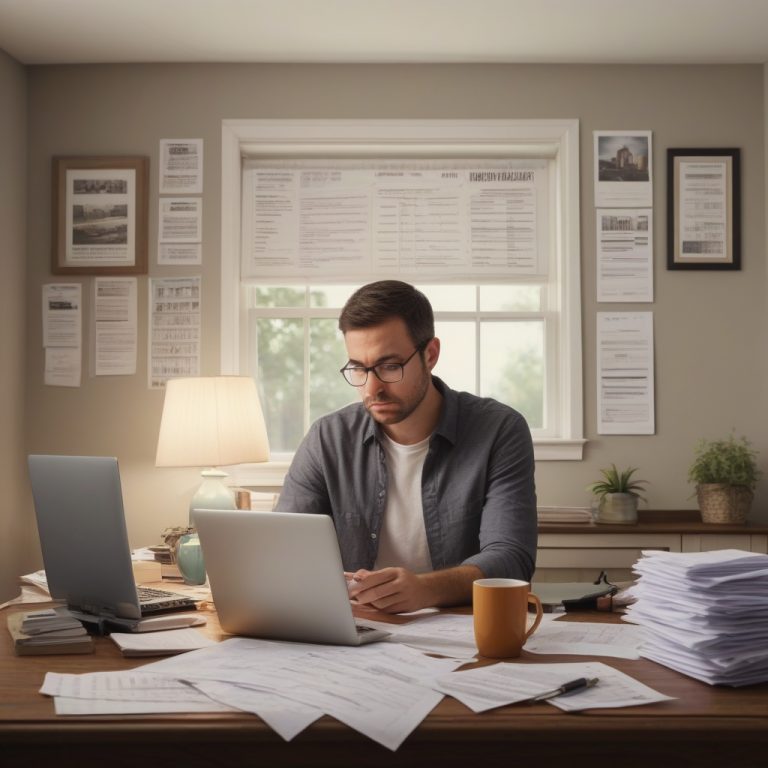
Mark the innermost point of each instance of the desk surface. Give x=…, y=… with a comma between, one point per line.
x=704, y=726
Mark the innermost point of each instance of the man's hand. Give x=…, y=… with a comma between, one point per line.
x=398, y=590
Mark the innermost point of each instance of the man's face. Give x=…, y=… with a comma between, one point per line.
x=391, y=403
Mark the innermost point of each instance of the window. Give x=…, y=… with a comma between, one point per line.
x=508, y=332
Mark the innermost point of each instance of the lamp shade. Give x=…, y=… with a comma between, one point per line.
x=210, y=422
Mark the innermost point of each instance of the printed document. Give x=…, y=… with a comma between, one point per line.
x=625, y=374
x=115, y=311
x=624, y=254
x=506, y=683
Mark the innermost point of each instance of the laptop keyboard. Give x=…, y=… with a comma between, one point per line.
x=147, y=593
x=159, y=601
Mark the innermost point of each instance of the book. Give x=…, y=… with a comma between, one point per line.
x=564, y=515
x=60, y=637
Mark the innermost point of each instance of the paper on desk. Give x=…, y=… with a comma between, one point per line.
x=286, y=718
x=586, y=639
x=506, y=683
x=381, y=690
x=69, y=707
x=160, y=643
x=445, y=634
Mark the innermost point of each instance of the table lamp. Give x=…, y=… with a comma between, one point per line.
x=209, y=422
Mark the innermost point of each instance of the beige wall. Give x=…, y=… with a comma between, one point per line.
x=15, y=515
x=710, y=327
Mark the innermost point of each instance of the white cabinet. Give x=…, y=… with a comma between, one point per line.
x=579, y=553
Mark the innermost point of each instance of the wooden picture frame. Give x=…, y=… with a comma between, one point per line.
x=704, y=209
x=100, y=213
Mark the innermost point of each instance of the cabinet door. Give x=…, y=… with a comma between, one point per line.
x=581, y=557
x=706, y=542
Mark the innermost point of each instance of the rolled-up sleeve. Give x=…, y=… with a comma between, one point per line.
x=508, y=527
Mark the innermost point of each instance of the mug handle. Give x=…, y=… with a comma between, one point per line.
x=533, y=599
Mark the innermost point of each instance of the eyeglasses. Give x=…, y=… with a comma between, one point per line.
x=387, y=373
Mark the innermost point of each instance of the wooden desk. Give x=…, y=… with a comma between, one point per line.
x=705, y=726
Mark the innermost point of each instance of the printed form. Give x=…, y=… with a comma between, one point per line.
x=625, y=374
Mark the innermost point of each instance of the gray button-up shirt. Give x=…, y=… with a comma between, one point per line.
x=477, y=485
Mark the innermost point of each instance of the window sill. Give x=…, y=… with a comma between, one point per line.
x=271, y=474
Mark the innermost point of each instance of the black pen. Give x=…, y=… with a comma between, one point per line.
x=581, y=683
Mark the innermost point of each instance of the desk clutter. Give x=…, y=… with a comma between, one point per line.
x=46, y=632
x=704, y=614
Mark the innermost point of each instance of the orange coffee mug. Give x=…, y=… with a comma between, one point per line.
x=500, y=610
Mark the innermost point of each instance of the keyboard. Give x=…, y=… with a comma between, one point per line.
x=158, y=600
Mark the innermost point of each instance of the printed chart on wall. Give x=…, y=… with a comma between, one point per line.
x=456, y=219
x=62, y=333
x=624, y=254
x=181, y=166
x=625, y=374
x=180, y=230
x=174, y=328
x=116, y=327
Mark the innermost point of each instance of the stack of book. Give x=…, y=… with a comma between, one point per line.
x=49, y=631
x=564, y=515
x=704, y=614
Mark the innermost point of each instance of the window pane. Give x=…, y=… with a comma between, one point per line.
x=450, y=298
x=276, y=296
x=330, y=295
x=510, y=298
x=327, y=388
x=280, y=373
x=512, y=366
x=456, y=364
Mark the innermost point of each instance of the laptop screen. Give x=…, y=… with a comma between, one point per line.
x=83, y=537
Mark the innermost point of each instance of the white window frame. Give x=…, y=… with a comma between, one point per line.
x=557, y=140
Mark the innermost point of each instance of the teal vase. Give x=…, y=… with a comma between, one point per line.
x=189, y=558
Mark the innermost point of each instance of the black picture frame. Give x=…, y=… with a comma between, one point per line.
x=704, y=193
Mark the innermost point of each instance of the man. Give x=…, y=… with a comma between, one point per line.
x=429, y=488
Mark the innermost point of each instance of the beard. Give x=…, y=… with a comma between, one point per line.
x=397, y=409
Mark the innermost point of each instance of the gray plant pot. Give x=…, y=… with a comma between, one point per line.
x=618, y=508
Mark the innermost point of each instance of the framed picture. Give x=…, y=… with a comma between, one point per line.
x=703, y=209
x=99, y=209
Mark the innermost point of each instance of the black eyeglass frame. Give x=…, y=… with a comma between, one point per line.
x=368, y=369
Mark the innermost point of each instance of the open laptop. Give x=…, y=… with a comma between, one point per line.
x=279, y=575
x=80, y=519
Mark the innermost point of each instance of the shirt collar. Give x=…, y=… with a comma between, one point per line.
x=446, y=425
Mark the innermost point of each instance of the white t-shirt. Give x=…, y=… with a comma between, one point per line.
x=403, y=537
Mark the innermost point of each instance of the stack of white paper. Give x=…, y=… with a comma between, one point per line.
x=705, y=614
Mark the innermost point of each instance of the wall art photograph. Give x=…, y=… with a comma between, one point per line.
x=100, y=215
x=623, y=168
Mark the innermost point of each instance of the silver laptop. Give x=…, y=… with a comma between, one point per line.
x=279, y=575
x=83, y=538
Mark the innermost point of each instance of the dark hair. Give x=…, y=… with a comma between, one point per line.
x=378, y=302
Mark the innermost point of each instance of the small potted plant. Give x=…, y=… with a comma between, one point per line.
x=725, y=473
x=618, y=494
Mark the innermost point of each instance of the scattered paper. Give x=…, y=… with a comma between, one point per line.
x=507, y=683
x=586, y=639
x=161, y=643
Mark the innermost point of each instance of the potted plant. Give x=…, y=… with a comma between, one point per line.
x=618, y=494
x=725, y=473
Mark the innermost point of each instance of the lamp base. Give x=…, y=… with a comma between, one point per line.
x=212, y=494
